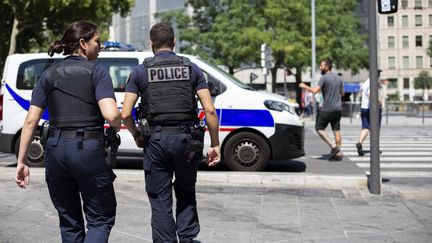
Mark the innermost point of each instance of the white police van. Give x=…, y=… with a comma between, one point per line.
x=255, y=127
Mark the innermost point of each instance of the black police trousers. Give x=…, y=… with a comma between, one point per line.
x=164, y=156
x=73, y=171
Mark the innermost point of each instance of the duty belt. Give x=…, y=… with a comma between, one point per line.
x=78, y=134
x=170, y=129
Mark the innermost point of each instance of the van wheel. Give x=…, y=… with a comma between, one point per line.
x=246, y=151
x=36, y=154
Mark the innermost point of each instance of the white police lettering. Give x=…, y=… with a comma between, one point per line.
x=168, y=74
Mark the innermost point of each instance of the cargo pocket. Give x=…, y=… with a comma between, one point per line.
x=105, y=200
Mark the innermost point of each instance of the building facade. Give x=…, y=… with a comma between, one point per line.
x=403, y=44
x=134, y=28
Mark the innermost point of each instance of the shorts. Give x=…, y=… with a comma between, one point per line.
x=364, y=113
x=326, y=117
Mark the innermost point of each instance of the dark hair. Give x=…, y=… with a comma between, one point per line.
x=328, y=62
x=162, y=35
x=70, y=40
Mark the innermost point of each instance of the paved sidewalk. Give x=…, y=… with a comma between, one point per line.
x=277, y=213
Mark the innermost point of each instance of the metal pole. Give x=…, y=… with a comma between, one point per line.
x=423, y=106
x=313, y=64
x=285, y=84
x=374, y=180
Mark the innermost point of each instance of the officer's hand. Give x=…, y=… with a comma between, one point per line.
x=139, y=141
x=213, y=156
x=302, y=85
x=22, y=176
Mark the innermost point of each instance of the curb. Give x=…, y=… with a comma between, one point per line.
x=230, y=178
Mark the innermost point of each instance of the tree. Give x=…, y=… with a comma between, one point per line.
x=230, y=33
x=423, y=81
x=226, y=32
x=32, y=24
x=337, y=35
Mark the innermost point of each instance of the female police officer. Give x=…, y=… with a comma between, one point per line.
x=79, y=96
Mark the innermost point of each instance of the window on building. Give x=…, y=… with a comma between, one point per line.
x=406, y=97
x=405, y=62
x=392, y=84
x=430, y=3
x=404, y=20
x=404, y=3
x=419, y=41
x=430, y=62
x=419, y=62
x=406, y=83
x=430, y=20
x=418, y=20
x=405, y=41
x=391, y=62
x=418, y=4
x=390, y=21
x=391, y=42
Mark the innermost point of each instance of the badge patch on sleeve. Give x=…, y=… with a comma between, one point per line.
x=176, y=73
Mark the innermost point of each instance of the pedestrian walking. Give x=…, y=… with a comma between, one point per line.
x=167, y=85
x=331, y=87
x=79, y=96
x=365, y=111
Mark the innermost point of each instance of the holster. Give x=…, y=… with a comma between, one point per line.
x=44, y=132
x=144, y=128
x=112, y=142
x=194, y=149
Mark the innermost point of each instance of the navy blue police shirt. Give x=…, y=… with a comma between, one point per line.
x=138, y=79
x=101, y=79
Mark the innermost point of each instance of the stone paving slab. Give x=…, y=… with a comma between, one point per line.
x=282, y=213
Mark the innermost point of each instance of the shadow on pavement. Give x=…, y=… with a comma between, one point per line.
x=273, y=166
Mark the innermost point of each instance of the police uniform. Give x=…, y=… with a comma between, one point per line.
x=167, y=84
x=75, y=156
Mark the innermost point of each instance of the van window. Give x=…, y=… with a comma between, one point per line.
x=29, y=72
x=119, y=70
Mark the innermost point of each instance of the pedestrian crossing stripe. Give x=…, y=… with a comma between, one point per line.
x=388, y=149
x=393, y=153
x=390, y=159
x=397, y=165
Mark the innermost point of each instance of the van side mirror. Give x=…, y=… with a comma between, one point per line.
x=387, y=6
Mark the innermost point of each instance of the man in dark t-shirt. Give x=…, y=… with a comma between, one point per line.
x=331, y=86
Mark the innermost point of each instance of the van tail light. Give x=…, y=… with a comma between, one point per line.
x=1, y=107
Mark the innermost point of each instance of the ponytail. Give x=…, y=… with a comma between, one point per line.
x=71, y=37
x=56, y=47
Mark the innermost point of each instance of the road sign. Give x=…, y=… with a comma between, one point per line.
x=252, y=77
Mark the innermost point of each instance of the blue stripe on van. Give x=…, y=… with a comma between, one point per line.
x=253, y=118
x=25, y=104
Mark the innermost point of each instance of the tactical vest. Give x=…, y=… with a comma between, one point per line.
x=71, y=97
x=169, y=97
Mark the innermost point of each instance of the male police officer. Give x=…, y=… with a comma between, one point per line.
x=167, y=84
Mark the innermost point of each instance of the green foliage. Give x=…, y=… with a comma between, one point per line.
x=423, y=81
x=40, y=22
x=230, y=32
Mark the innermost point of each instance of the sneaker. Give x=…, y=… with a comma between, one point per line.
x=359, y=149
x=333, y=152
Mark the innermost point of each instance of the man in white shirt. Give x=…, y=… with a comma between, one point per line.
x=365, y=111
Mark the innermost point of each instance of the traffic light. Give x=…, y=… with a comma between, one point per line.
x=266, y=58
